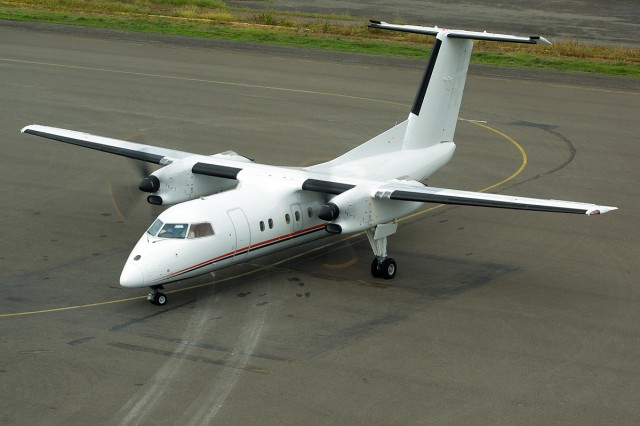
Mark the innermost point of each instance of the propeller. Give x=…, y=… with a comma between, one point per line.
x=125, y=197
x=149, y=184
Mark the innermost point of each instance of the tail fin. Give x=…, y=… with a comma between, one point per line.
x=433, y=117
x=435, y=109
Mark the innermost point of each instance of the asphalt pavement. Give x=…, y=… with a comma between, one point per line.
x=495, y=317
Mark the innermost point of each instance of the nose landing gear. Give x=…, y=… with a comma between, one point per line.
x=156, y=297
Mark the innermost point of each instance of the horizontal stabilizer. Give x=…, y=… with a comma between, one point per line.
x=470, y=35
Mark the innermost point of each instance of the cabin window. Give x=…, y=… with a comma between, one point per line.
x=173, y=230
x=270, y=223
x=297, y=215
x=199, y=230
x=262, y=225
x=287, y=218
x=310, y=211
x=155, y=227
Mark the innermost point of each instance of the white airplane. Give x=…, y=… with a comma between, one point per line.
x=228, y=209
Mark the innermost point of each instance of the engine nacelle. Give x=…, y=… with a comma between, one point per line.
x=176, y=183
x=351, y=211
x=357, y=209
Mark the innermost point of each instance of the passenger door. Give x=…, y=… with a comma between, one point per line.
x=243, y=234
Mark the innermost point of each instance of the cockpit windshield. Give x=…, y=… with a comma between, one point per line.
x=179, y=230
x=155, y=227
x=173, y=230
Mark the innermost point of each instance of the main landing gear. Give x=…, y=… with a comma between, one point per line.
x=385, y=268
x=156, y=297
x=382, y=266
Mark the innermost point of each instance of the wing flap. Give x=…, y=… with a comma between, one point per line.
x=148, y=153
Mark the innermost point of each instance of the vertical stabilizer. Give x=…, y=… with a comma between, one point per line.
x=435, y=109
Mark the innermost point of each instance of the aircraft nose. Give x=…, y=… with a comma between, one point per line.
x=132, y=276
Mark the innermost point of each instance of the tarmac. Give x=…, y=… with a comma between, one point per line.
x=495, y=317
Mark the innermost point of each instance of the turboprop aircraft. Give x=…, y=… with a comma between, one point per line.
x=228, y=209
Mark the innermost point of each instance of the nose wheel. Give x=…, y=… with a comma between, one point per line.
x=156, y=296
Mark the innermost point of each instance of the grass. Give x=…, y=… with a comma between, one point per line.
x=213, y=19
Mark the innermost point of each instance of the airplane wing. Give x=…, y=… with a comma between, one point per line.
x=148, y=153
x=468, y=198
x=427, y=194
x=220, y=166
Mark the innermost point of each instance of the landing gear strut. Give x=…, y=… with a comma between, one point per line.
x=156, y=297
x=382, y=266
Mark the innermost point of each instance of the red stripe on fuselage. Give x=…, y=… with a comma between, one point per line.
x=247, y=249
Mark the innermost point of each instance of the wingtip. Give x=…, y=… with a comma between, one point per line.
x=601, y=210
x=542, y=40
x=32, y=127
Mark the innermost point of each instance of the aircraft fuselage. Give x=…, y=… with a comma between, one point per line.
x=246, y=223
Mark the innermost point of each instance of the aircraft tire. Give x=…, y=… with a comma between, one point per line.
x=160, y=299
x=376, y=268
x=388, y=268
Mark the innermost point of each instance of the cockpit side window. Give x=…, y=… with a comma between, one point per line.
x=155, y=227
x=199, y=230
x=173, y=230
